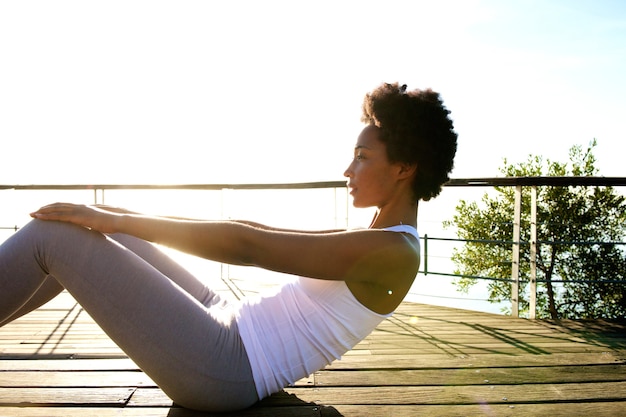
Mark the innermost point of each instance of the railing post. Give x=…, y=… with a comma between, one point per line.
x=532, y=307
x=517, y=216
x=95, y=196
x=425, y=254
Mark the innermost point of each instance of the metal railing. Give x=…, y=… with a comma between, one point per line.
x=533, y=182
x=99, y=194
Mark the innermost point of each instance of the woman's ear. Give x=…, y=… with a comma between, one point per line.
x=406, y=170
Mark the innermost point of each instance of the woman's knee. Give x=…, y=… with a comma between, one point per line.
x=43, y=230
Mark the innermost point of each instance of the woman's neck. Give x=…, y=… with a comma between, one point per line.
x=392, y=216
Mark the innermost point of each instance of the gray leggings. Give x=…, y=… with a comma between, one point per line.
x=175, y=328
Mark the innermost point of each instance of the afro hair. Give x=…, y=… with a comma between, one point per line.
x=416, y=129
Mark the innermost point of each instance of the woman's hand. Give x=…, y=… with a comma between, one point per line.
x=97, y=218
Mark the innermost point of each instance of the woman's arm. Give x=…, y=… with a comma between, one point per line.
x=279, y=229
x=248, y=222
x=364, y=255
x=186, y=235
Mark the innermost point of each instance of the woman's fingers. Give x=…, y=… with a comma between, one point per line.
x=87, y=216
x=71, y=213
x=56, y=209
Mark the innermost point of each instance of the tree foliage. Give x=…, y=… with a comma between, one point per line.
x=580, y=231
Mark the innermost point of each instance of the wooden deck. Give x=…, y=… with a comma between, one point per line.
x=424, y=361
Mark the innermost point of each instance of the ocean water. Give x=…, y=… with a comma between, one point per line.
x=311, y=209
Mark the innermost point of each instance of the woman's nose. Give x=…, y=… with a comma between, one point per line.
x=348, y=171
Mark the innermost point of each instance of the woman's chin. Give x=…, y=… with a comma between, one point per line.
x=359, y=204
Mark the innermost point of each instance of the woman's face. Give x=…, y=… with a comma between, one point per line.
x=371, y=177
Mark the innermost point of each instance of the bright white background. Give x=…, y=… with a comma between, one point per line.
x=251, y=91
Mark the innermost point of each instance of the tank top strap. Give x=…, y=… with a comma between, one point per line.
x=404, y=228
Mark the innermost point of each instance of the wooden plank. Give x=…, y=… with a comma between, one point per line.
x=455, y=395
x=74, y=379
x=596, y=409
x=599, y=409
x=504, y=334
x=124, y=364
x=425, y=395
x=497, y=330
x=298, y=411
x=475, y=361
x=79, y=379
x=92, y=354
x=81, y=344
x=490, y=376
x=469, y=349
x=24, y=397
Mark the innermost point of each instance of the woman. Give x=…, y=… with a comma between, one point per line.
x=210, y=354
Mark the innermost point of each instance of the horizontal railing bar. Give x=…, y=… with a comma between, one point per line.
x=538, y=181
x=565, y=242
x=278, y=186
x=584, y=281
x=524, y=242
x=465, y=276
x=456, y=182
x=525, y=281
x=451, y=239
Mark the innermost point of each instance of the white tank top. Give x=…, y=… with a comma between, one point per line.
x=302, y=327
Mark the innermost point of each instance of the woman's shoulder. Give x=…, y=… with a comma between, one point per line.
x=404, y=229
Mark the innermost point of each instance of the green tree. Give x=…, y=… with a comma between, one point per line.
x=579, y=229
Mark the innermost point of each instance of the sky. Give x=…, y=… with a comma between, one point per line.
x=249, y=91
